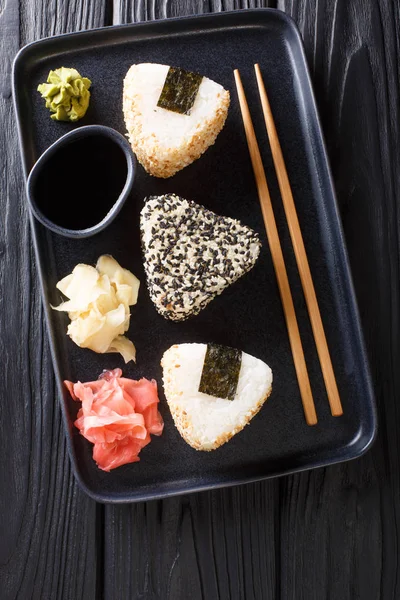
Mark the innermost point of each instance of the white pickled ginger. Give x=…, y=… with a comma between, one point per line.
x=98, y=306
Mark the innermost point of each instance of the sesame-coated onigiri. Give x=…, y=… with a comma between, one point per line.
x=191, y=254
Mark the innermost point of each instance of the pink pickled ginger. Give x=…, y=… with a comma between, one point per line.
x=117, y=416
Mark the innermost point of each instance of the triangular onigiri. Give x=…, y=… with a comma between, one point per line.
x=191, y=254
x=205, y=421
x=165, y=141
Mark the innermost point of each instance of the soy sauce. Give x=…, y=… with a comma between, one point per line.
x=81, y=182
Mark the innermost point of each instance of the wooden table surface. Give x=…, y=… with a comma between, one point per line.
x=331, y=533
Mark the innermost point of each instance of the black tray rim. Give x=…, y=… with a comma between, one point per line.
x=371, y=434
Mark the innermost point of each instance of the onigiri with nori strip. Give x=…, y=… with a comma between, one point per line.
x=166, y=141
x=206, y=421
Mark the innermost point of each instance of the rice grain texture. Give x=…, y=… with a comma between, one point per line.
x=206, y=422
x=164, y=141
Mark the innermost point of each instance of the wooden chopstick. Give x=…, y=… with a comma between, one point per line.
x=300, y=253
x=277, y=258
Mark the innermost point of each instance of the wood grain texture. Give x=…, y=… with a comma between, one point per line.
x=48, y=527
x=213, y=545
x=339, y=526
x=327, y=534
x=128, y=11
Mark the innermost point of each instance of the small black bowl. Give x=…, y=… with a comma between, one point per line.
x=80, y=183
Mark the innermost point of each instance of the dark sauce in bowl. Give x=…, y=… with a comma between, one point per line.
x=81, y=180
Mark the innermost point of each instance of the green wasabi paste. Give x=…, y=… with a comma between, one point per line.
x=66, y=93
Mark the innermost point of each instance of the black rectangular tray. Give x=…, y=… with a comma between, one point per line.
x=248, y=315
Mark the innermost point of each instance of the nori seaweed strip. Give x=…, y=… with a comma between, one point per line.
x=179, y=91
x=220, y=373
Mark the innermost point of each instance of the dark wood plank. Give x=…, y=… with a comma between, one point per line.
x=48, y=527
x=339, y=535
x=126, y=11
x=209, y=545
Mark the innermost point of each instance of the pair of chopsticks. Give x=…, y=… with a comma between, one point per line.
x=278, y=259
